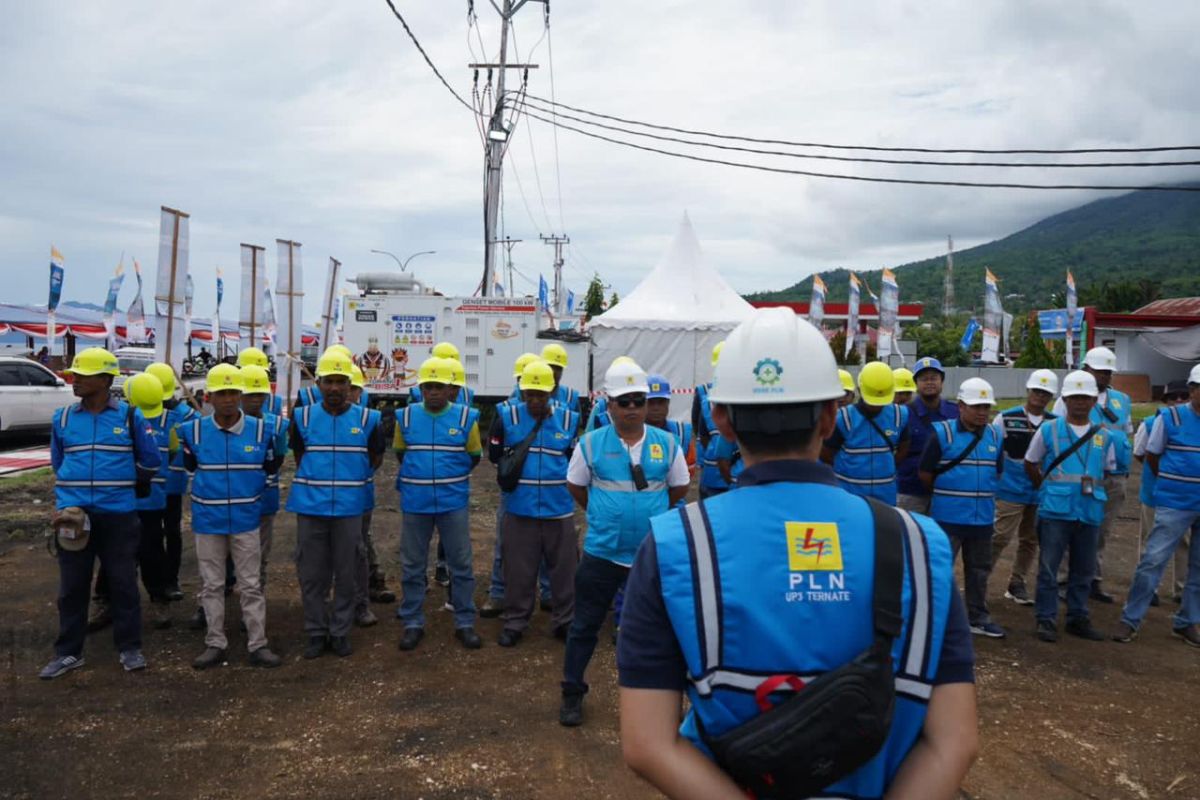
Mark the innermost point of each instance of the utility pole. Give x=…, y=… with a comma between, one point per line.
x=508, y=246
x=948, y=292
x=559, y=295
x=497, y=141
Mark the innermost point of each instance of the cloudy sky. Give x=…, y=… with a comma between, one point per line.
x=319, y=122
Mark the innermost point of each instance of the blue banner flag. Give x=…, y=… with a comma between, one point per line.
x=220, y=290
x=543, y=293
x=969, y=334
x=56, y=279
x=570, y=302
x=114, y=288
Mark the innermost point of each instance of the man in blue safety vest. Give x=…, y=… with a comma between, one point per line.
x=622, y=475
x=555, y=355
x=179, y=412
x=437, y=444
x=337, y=447
x=927, y=409
x=961, y=466
x=1016, y=499
x=1114, y=412
x=1173, y=451
x=658, y=409
x=712, y=480
x=1067, y=461
x=229, y=456
x=871, y=437
x=741, y=599
x=145, y=392
x=539, y=515
x=256, y=395
x=104, y=457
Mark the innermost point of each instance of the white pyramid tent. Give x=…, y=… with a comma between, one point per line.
x=670, y=322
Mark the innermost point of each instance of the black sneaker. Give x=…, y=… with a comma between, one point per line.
x=174, y=593
x=508, y=638
x=263, y=657
x=411, y=638
x=469, y=638
x=340, y=645
x=381, y=594
x=441, y=576
x=211, y=657
x=570, y=713
x=1125, y=634
x=1018, y=595
x=1100, y=596
x=316, y=646
x=1047, y=631
x=491, y=608
x=1083, y=628
x=1189, y=633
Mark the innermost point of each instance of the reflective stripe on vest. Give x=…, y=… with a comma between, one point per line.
x=435, y=473
x=865, y=464
x=542, y=490
x=334, y=477
x=228, y=483
x=97, y=472
x=1178, y=484
x=966, y=494
x=1060, y=496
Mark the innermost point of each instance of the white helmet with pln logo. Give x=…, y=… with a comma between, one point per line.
x=1080, y=383
x=976, y=392
x=1101, y=358
x=1044, y=379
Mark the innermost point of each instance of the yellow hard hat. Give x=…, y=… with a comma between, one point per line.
x=252, y=355
x=94, y=361
x=436, y=369
x=716, y=353
x=538, y=377
x=224, y=376
x=847, y=380
x=357, y=378
x=146, y=392
x=522, y=361
x=256, y=379
x=446, y=350
x=335, y=362
x=460, y=373
x=904, y=380
x=166, y=376
x=555, y=355
x=877, y=384
x=339, y=348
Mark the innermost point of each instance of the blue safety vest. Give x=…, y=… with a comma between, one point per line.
x=966, y=494
x=566, y=397
x=1178, y=484
x=274, y=405
x=777, y=578
x=920, y=427
x=618, y=513
x=682, y=431
x=1149, y=479
x=311, y=396
x=160, y=428
x=1061, y=495
x=335, y=473
x=865, y=464
x=277, y=429
x=598, y=417
x=228, y=483
x=710, y=472
x=177, y=477
x=542, y=492
x=1116, y=421
x=1018, y=432
x=98, y=472
x=435, y=476
x=706, y=420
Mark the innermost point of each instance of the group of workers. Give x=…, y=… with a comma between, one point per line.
x=824, y=502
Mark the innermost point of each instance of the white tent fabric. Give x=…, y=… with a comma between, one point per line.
x=670, y=322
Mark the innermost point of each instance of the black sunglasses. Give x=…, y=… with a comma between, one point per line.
x=627, y=400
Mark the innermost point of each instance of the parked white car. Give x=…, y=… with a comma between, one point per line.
x=29, y=394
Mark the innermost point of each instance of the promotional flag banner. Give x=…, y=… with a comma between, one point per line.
x=570, y=302
x=170, y=288
x=543, y=293
x=57, y=272
x=135, y=317
x=852, y=318
x=333, y=279
x=889, y=313
x=218, y=340
x=816, y=306
x=187, y=308
x=993, y=319
x=254, y=278
x=289, y=311
x=969, y=334
x=110, y=304
x=1072, y=307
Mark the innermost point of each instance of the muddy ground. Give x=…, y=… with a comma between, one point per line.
x=1072, y=720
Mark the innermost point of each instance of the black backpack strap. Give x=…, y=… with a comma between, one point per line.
x=889, y=572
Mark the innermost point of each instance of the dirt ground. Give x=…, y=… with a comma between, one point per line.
x=1072, y=720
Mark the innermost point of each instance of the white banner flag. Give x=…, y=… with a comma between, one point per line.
x=254, y=279
x=289, y=310
x=170, y=288
x=329, y=306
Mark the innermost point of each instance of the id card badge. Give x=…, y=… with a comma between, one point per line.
x=1087, y=486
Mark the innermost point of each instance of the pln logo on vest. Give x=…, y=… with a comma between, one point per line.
x=813, y=546
x=656, y=452
x=356, y=430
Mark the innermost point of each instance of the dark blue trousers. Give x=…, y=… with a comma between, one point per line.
x=596, y=583
x=114, y=540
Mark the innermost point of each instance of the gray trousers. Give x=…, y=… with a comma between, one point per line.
x=211, y=552
x=366, y=563
x=327, y=550
x=525, y=541
x=266, y=534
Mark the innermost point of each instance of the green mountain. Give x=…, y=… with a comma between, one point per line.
x=1123, y=251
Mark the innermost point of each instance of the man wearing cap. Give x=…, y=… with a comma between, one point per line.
x=871, y=437
x=1174, y=393
x=621, y=475
x=1113, y=411
x=1067, y=460
x=658, y=408
x=730, y=600
x=1016, y=498
x=961, y=465
x=104, y=457
x=337, y=447
x=1173, y=451
x=437, y=444
x=229, y=456
x=539, y=515
x=256, y=393
x=923, y=413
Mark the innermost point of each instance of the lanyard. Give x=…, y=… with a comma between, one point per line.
x=1087, y=451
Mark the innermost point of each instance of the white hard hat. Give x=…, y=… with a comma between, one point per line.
x=1044, y=379
x=1080, y=383
x=1194, y=375
x=976, y=392
x=625, y=377
x=1101, y=358
x=775, y=357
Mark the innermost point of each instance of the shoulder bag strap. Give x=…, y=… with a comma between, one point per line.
x=1065, y=454
x=888, y=618
x=961, y=456
x=891, y=445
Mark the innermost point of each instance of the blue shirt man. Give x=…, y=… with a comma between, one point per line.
x=927, y=409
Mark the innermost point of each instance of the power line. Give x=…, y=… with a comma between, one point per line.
x=861, y=178
x=860, y=159
x=875, y=148
x=425, y=55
